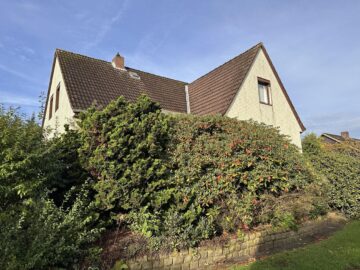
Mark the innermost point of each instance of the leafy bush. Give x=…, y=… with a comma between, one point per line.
x=44, y=235
x=339, y=164
x=177, y=180
x=29, y=164
x=286, y=210
x=182, y=179
x=46, y=214
x=222, y=168
x=124, y=148
x=64, y=170
x=20, y=162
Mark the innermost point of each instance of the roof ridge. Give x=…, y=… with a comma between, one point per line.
x=82, y=55
x=260, y=44
x=97, y=59
x=336, y=135
x=330, y=134
x=156, y=75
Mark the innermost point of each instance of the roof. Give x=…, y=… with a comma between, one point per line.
x=214, y=92
x=88, y=79
x=337, y=138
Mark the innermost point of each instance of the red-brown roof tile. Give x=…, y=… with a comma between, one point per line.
x=88, y=80
x=214, y=92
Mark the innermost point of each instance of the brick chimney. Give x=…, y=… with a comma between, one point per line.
x=118, y=61
x=345, y=134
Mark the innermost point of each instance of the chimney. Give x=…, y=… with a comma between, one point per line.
x=345, y=134
x=118, y=61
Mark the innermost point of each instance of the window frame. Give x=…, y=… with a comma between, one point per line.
x=267, y=84
x=51, y=106
x=57, y=97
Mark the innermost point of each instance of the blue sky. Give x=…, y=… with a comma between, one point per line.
x=315, y=46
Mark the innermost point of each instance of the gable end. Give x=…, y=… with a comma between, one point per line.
x=283, y=89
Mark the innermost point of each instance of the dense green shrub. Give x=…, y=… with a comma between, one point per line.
x=124, y=148
x=46, y=213
x=339, y=164
x=63, y=169
x=183, y=179
x=20, y=163
x=44, y=235
x=222, y=168
x=29, y=164
x=177, y=180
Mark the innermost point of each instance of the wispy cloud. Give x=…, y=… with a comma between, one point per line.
x=28, y=6
x=19, y=74
x=25, y=53
x=154, y=40
x=82, y=15
x=10, y=99
x=106, y=27
x=28, y=50
x=148, y=46
x=334, y=123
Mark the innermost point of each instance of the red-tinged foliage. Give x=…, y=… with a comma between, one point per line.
x=231, y=165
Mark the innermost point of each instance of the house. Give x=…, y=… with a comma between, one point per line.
x=246, y=87
x=344, y=136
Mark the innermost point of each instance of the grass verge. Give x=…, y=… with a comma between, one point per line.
x=339, y=252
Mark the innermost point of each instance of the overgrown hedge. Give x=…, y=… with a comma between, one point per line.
x=47, y=216
x=339, y=165
x=182, y=179
x=225, y=172
x=174, y=180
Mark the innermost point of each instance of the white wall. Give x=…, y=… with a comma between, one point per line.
x=64, y=115
x=246, y=104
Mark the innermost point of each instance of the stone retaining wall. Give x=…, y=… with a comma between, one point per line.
x=252, y=245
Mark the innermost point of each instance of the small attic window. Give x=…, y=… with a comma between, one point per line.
x=57, y=100
x=264, y=91
x=134, y=75
x=51, y=106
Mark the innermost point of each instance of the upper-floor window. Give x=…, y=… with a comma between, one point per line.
x=51, y=106
x=264, y=91
x=57, y=98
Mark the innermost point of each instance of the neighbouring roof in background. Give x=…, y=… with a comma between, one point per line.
x=88, y=79
x=337, y=138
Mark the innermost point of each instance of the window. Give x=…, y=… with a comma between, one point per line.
x=264, y=91
x=57, y=98
x=51, y=107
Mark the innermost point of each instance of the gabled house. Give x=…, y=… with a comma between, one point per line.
x=246, y=87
